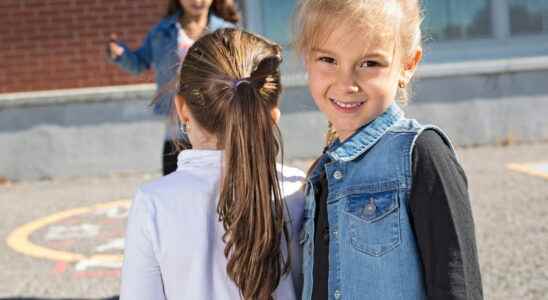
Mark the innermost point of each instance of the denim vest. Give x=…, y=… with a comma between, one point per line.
x=159, y=49
x=372, y=252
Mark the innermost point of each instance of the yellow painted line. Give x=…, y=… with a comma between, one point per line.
x=19, y=240
x=528, y=168
x=107, y=257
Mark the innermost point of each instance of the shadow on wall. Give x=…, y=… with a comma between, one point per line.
x=25, y=298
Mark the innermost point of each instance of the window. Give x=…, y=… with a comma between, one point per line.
x=277, y=18
x=457, y=19
x=528, y=16
x=445, y=20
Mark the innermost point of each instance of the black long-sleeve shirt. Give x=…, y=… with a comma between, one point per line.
x=442, y=220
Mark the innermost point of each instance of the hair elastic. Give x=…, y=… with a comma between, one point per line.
x=237, y=83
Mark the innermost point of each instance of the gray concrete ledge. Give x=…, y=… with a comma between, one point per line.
x=93, y=94
x=99, y=131
x=49, y=151
x=485, y=67
x=102, y=148
x=473, y=122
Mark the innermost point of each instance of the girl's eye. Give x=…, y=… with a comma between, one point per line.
x=369, y=64
x=326, y=59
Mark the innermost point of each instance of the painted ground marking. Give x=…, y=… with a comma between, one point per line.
x=85, y=238
x=539, y=169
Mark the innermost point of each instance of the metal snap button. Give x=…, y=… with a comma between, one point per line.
x=338, y=175
x=370, y=208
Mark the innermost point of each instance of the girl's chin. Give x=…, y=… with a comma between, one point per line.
x=346, y=127
x=345, y=131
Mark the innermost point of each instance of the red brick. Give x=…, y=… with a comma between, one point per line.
x=61, y=43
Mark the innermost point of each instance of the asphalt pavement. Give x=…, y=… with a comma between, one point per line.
x=63, y=238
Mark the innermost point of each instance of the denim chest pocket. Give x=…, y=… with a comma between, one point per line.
x=374, y=222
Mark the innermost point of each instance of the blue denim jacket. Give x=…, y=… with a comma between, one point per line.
x=372, y=252
x=159, y=49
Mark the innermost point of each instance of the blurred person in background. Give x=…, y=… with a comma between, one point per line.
x=164, y=48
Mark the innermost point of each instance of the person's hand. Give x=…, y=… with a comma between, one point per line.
x=114, y=49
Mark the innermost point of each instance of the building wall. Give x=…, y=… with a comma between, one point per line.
x=488, y=90
x=100, y=131
x=58, y=44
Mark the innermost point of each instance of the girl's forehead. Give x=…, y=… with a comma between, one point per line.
x=378, y=19
x=347, y=33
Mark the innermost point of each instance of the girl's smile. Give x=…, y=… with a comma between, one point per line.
x=347, y=106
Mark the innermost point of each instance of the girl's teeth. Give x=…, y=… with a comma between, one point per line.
x=347, y=105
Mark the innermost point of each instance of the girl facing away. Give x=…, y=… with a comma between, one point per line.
x=221, y=225
x=164, y=48
x=387, y=210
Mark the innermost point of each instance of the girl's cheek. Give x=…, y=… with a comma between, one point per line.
x=326, y=70
x=312, y=72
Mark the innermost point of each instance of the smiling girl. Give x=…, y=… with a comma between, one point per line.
x=387, y=213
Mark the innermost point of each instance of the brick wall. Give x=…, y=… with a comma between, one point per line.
x=56, y=44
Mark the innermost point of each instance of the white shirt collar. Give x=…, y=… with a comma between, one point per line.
x=200, y=158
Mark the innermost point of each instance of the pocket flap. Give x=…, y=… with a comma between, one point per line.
x=371, y=207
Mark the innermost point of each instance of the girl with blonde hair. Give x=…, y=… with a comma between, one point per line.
x=387, y=213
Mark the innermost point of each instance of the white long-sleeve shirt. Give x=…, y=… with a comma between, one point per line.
x=174, y=248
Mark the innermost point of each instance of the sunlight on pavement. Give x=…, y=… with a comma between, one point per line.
x=539, y=169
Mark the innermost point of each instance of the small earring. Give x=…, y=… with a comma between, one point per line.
x=185, y=128
x=401, y=84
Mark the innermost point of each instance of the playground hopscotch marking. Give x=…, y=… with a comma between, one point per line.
x=59, y=230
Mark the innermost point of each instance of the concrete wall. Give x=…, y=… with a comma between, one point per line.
x=79, y=133
x=476, y=102
x=100, y=131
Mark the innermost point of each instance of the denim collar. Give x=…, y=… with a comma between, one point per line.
x=365, y=137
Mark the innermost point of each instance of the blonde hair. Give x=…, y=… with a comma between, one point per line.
x=316, y=19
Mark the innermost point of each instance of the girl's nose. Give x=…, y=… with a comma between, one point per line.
x=347, y=82
x=353, y=89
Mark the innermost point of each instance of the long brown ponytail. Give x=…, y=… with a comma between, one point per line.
x=230, y=81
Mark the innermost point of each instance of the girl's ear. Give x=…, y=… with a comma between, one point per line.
x=276, y=114
x=182, y=109
x=410, y=65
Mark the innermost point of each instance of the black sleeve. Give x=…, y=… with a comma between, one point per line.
x=442, y=219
